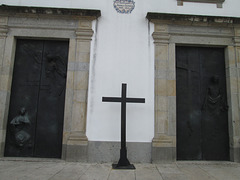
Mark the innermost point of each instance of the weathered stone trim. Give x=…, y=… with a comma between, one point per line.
x=84, y=34
x=171, y=30
x=190, y=19
x=72, y=25
x=28, y=11
x=218, y=2
x=78, y=66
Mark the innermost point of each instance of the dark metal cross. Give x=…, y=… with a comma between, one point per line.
x=123, y=162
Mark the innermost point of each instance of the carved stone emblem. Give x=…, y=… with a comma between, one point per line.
x=124, y=6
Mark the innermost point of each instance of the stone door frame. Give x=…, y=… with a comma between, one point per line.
x=171, y=30
x=73, y=25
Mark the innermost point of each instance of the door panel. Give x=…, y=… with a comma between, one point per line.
x=188, y=126
x=24, y=94
x=202, y=128
x=188, y=100
x=51, y=99
x=37, y=130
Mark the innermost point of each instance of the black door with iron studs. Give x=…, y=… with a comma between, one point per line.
x=35, y=120
x=202, y=110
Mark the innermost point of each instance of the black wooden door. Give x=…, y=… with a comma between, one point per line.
x=35, y=121
x=202, y=118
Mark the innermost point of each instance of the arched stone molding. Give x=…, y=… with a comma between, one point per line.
x=171, y=30
x=73, y=25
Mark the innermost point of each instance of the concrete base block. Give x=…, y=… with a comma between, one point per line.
x=235, y=154
x=2, y=148
x=163, y=154
x=101, y=152
x=109, y=152
x=76, y=153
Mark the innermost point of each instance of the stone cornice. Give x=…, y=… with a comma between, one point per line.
x=162, y=38
x=84, y=34
x=218, y=2
x=3, y=31
x=204, y=1
x=237, y=41
x=189, y=19
x=24, y=10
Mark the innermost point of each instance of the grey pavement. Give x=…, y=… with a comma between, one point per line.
x=24, y=169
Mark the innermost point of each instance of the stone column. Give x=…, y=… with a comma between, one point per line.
x=75, y=137
x=5, y=67
x=7, y=47
x=232, y=54
x=164, y=141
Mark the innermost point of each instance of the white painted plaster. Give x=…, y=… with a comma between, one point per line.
x=121, y=56
x=122, y=51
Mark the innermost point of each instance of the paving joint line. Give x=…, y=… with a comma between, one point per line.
x=84, y=172
x=206, y=172
x=56, y=173
x=159, y=172
x=109, y=173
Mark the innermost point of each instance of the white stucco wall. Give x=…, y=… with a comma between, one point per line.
x=122, y=56
x=122, y=51
x=230, y=7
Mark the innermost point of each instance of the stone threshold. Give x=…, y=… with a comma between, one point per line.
x=207, y=162
x=187, y=162
x=31, y=159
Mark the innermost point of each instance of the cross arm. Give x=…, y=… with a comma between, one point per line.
x=111, y=99
x=135, y=100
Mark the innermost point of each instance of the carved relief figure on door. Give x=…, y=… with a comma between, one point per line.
x=214, y=102
x=20, y=127
x=214, y=110
x=55, y=72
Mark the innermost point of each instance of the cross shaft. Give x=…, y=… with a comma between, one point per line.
x=123, y=162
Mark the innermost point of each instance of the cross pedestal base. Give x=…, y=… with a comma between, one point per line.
x=116, y=166
x=123, y=162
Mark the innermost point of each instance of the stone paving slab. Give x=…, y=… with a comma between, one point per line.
x=147, y=172
x=71, y=171
x=31, y=169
